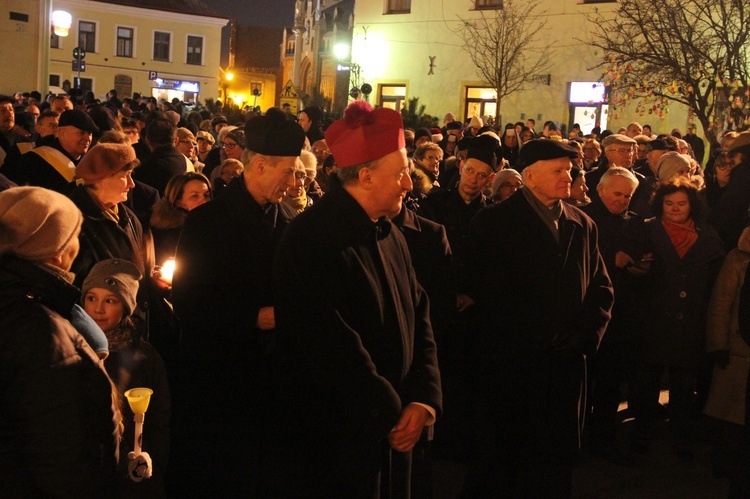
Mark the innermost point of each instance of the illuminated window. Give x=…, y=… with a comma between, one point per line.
x=194, y=50
x=480, y=101
x=488, y=4
x=87, y=36
x=398, y=6
x=124, y=42
x=162, y=42
x=392, y=96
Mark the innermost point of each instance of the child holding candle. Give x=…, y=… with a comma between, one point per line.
x=109, y=297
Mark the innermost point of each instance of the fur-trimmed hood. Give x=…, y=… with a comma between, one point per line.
x=167, y=216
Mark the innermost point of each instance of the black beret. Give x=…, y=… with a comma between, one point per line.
x=314, y=113
x=484, y=148
x=274, y=135
x=544, y=149
x=454, y=125
x=78, y=119
x=464, y=143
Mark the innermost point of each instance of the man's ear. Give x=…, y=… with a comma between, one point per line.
x=365, y=177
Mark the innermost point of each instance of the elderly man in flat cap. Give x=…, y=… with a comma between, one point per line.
x=54, y=166
x=545, y=301
x=222, y=295
x=357, y=375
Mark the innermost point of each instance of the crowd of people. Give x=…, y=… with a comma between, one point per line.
x=322, y=308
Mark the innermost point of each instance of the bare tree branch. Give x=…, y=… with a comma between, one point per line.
x=694, y=52
x=505, y=46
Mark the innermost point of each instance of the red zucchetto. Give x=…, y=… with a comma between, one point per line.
x=365, y=134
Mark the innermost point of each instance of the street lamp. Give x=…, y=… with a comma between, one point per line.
x=341, y=52
x=227, y=76
x=61, y=22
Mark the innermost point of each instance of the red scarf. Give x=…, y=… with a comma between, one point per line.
x=683, y=236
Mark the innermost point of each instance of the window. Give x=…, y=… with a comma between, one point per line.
x=124, y=42
x=194, y=50
x=54, y=80
x=87, y=36
x=86, y=84
x=392, y=96
x=480, y=101
x=488, y=4
x=398, y=6
x=54, y=41
x=162, y=41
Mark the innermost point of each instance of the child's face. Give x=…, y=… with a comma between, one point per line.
x=104, y=307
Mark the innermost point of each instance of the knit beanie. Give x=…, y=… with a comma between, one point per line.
x=104, y=160
x=120, y=277
x=671, y=163
x=476, y=122
x=37, y=223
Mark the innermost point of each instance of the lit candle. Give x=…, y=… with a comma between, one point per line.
x=167, y=270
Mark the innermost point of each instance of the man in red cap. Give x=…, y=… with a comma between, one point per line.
x=356, y=357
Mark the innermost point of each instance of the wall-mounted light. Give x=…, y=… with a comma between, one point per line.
x=61, y=22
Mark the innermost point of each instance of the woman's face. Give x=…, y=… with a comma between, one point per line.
x=526, y=136
x=676, y=207
x=114, y=189
x=510, y=140
x=723, y=167
x=229, y=172
x=104, y=307
x=194, y=194
x=304, y=121
x=187, y=147
x=590, y=152
x=232, y=149
x=431, y=161
x=508, y=188
x=579, y=188
x=203, y=146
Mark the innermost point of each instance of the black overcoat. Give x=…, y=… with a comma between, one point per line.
x=353, y=352
x=544, y=306
x=222, y=280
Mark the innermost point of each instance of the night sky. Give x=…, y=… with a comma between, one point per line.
x=271, y=13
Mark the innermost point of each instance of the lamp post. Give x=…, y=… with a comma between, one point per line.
x=227, y=76
x=341, y=52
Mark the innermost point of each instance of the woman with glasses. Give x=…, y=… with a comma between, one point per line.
x=217, y=154
x=591, y=152
x=715, y=184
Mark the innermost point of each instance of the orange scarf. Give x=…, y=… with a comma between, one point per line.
x=683, y=235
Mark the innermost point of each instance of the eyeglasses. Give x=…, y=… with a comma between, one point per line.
x=432, y=158
x=300, y=176
x=228, y=145
x=629, y=152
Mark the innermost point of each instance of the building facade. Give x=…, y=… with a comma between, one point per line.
x=408, y=48
x=160, y=48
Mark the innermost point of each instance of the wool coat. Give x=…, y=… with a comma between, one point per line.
x=544, y=305
x=675, y=294
x=350, y=355
x=58, y=430
x=726, y=398
x=222, y=279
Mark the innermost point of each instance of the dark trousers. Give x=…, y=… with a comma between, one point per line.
x=645, y=399
x=609, y=370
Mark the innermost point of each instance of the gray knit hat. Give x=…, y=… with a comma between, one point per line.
x=120, y=277
x=37, y=223
x=670, y=163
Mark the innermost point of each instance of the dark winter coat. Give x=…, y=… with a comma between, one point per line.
x=447, y=208
x=729, y=216
x=222, y=280
x=676, y=294
x=57, y=428
x=166, y=224
x=34, y=170
x=544, y=306
x=164, y=163
x=102, y=238
x=352, y=354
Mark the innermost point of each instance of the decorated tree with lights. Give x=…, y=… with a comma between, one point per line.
x=506, y=47
x=691, y=52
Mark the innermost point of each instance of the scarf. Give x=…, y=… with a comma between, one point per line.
x=683, y=235
x=298, y=204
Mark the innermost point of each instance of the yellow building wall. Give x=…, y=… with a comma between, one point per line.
x=103, y=65
x=22, y=46
x=397, y=48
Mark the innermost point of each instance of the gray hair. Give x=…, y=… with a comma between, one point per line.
x=351, y=173
x=618, y=171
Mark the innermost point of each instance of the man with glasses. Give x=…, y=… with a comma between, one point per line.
x=619, y=150
x=46, y=127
